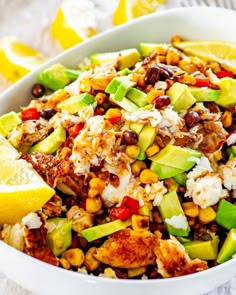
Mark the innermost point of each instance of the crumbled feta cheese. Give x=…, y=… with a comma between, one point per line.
x=32, y=220
x=144, y=116
x=203, y=166
x=177, y=221
x=154, y=192
x=171, y=122
x=205, y=191
x=228, y=173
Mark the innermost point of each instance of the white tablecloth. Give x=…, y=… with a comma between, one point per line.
x=30, y=21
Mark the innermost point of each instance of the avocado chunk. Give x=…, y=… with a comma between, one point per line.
x=136, y=127
x=8, y=122
x=180, y=97
x=60, y=238
x=72, y=74
x=102, y=230
x=231, y=151
x=228, y=248
x=51, y=143
x=125, y=104
x=137, y=96
x=181, y=178
x=173, y=215
x=119, y=87
x=176, y=157
x=163, y=171
x=147, y=48
x=205, y=250
x=146, y=137
x=227, y=93
x=126, y=58
x=204, y=93
x=226, y=214
x=75, y=103
x=54, y=77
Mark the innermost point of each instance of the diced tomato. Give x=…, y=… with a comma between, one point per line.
x=121, y=213
x=131, y=204
x=75, y=130
x=223, y=74
x=30, y=114
x=114, y=120
x=201, y=80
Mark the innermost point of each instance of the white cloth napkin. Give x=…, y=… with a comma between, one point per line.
x=30, y=24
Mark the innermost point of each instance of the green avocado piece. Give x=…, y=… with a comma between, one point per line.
x=226, y=214
x=170, y=208
x=119, y=87
x=205, y=250
x=228, y=248
x=54, y=77
x=147, y=48
x=125, y=104
x=8, y=122
x=127, y=58
x=137, y=96
x=227, y=93
x=231, y=151
x=181, y=178
x=204, y=93
x=72, y=74
x=136, y=127
x=60, y=238
x=102, y=230
x=146, y=137
x=75, y=103
x=163, y=171
x=180, y=96
x=177, y=157
x=51, y=143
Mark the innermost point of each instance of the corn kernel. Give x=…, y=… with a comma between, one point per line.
x=132, y=151
x=97, y=183
x=227, y=119
x=93, y=193
x=64, y=263
x=90, y=261
x=93, y=205
x=207, y=215
x=147, y=176
x=153, y=93
x=113, y=113
x=171, y=184
x=176, y=38
x=140, y=222
x=136, y=271
x=172, y=57
x=162, y=58
x=74, y=256
x=100, y=98
x=58, y=96
x=137, y=167
x=190, y=209
x=152, y=150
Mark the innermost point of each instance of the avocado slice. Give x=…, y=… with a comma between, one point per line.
x=226, y=214
x=146, y=137
x=228, y=248
x=75, y=103
x=136, y=127
x=54, y=77
x=119, y=87
x=51, y=143
x=180, y=96
x=147, y=48
x=137, y=96
x=231, y=151
x=163, y=171
x=176, y=157
x=125, y=104
x=181, y=178
x=60, y=238
x=227, y=93
x=169, y=208
x=102, y=230
x=204, y=93
x=127, y=58
x=205, y=250
x=8, y=122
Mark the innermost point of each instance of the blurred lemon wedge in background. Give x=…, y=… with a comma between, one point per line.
x=129, y=9
x=22, y=190
x=222, y=52
x=17, y=59
x=74, y=22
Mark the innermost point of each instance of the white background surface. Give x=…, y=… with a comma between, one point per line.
x=29, y=21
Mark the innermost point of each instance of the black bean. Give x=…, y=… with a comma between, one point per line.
x=191, y=118
x=152, y=75
x=130, y=137
x=161, y=101
x=47, y=113
x=38, y=90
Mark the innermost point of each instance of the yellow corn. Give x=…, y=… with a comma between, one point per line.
x=217, y=155
x=176, y=38
x=152, y=150
x=171, y=184
x=144, y=210
x=172, y=57
x=132, y=151
x=64, y=263
x=74, y=256
x=136, y=271
x=100, y=98
x=227, y=119
x=93, y=205
x=162, y=58
x=113, y=113
x=137, y=167
x=190, y=209
x=90, y=261
x=207, y=215
x=214, y=66
x=140, y=222
x=97, y=183
x=185, y=65
x=186, y=79
x=93, y=193
x=147, y=176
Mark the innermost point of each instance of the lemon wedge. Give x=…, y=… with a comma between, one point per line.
x=17, y=59
x=221, y=51
x=74, y=22
x=130, y=9
x=22, y=190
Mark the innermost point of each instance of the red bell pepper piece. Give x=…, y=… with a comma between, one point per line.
x=75, y=130
x=201, y=80
x=114, y=120
x=121, y=213
x=30, y=114
x=130, y=203
x=223, y=74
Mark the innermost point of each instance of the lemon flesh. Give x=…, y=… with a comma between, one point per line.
x=222, y=52
x=7, y=151
x=17, y=59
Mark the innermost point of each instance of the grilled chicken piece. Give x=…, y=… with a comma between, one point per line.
x=80, y=218
x=13, y=235
x=173, y=260
x=127, y=249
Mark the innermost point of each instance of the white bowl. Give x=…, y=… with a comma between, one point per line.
x=44, y=279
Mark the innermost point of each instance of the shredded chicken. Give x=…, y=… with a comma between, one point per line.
x=13, y=235
x=80, y=218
